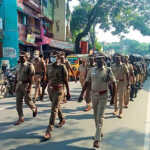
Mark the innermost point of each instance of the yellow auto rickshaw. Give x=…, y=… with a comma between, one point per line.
x=74, y=61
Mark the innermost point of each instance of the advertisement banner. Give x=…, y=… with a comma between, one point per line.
x=9, y=52
x=31, y=38
x=62, y=45
x=84, y=47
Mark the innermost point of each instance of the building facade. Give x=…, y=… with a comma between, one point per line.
x=32, y=25
x=9, y=32
x=61, y=20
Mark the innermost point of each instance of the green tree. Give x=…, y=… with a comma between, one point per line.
x=128, y=46
x=118, y=15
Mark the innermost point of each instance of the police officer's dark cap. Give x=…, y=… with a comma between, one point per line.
x=22, y=53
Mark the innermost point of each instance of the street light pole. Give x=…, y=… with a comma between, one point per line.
x=41, y=48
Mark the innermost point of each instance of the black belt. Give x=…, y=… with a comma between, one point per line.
x=38, y=73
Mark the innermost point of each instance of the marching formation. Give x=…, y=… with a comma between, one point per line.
x=116, y=78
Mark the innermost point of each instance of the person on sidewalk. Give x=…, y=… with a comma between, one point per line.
x=25, y=76
x=99, y=77
x=57, y=76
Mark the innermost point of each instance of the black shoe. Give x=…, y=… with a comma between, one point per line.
x=111, y=103
x=35, y=112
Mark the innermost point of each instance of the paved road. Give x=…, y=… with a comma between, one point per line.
x=130, y=133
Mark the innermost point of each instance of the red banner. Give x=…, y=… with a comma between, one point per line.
x=84, y=47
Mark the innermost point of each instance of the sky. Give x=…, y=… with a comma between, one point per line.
x=108, y=37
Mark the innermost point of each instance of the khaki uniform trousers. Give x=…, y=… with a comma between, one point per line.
x=127, y=96
x=88, y=95
x=82, y=81
x=137, y=77
x=21, y=93
x=120, y=96
x=56, y=96
x=37, y=79
x=99, y=103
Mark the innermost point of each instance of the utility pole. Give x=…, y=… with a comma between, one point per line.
x=41, y=23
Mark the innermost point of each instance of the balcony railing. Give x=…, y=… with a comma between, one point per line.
x=33, y=4
x=33, y=28
x=49, y=34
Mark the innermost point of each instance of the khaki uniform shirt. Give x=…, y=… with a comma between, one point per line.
x=100, y=78
x=25, y=71
x=120, y=71
x=56, y=74
x=131, y=72
x=68, y=66
x=83, y=71
x=39, y=66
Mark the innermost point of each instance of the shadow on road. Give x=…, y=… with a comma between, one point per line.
x=62, y=145
x=124, y=139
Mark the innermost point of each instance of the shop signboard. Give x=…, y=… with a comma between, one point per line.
x=9, y=52
x=31, y=38
x=61, y=45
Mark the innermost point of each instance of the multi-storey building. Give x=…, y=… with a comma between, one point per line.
x=29, y=25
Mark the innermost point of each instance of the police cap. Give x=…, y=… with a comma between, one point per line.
x=22, y=53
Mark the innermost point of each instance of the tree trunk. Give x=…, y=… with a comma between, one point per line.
x=91, y=20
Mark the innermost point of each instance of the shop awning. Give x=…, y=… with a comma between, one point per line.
x=61, y=45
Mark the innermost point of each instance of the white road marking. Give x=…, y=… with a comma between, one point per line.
x=147, y=126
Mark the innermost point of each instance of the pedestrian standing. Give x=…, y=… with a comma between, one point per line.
x=25, y=76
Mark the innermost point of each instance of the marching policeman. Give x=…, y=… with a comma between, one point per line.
x=99, y=77
x=82, y=72
x=131, y=81
x=69, y=68
x=40, y=72
x=57, y=77
x=88, y=87
x=122, y=76
x=25, y=76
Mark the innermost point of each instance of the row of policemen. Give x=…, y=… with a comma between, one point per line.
x=55, y=77
x=120, y=79
x=95, y=79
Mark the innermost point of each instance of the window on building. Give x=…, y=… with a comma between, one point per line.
x=37, y=24
x=57, y=3
x=29, y=20
x=47, y=26
x=38, y=2
x=45, y=3
x=1, y=50
x=20, y=17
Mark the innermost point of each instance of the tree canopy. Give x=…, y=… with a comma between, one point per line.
x=128, y=46
x=115, y=15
